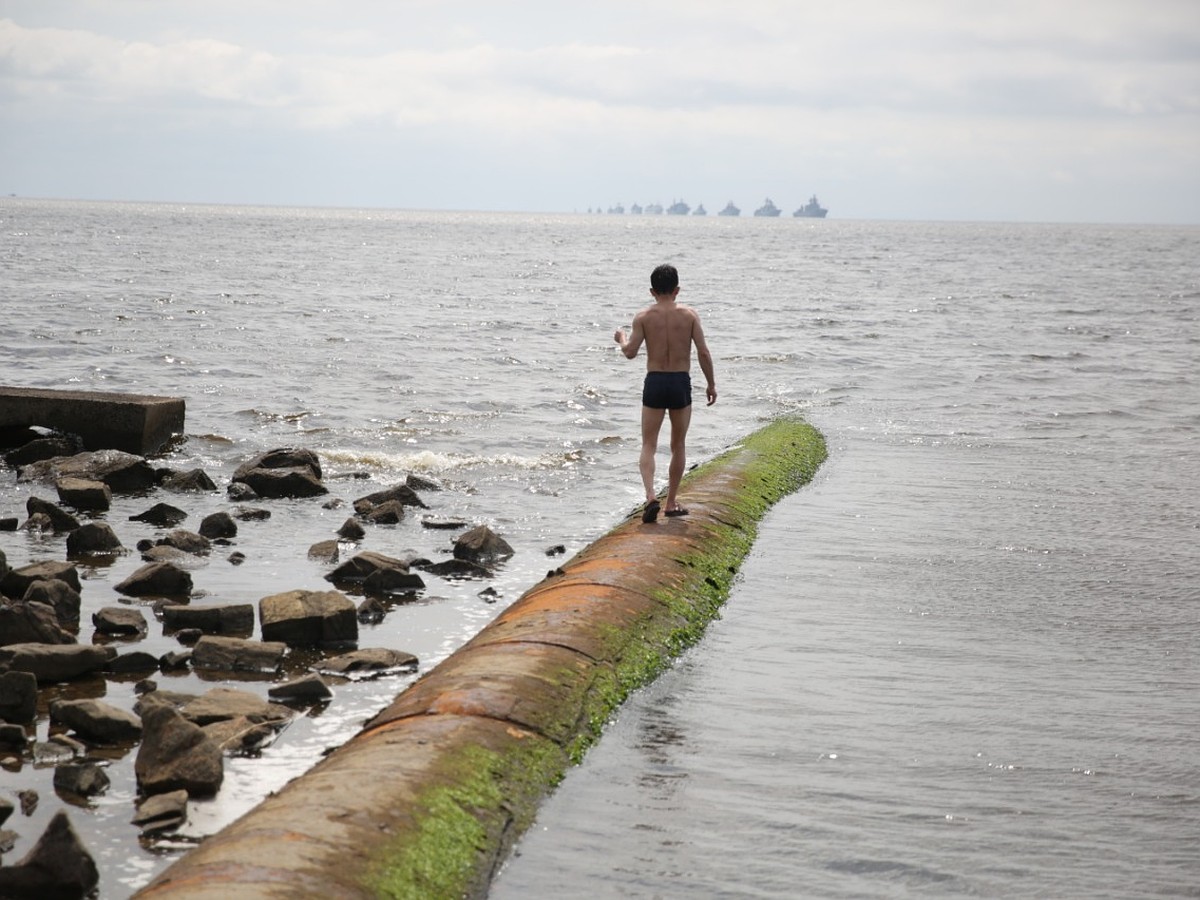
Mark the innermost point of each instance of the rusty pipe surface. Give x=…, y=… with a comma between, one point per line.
x=427, y=800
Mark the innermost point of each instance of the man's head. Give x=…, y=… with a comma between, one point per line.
x=664, y=280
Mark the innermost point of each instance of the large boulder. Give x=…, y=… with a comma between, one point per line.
x=121, y=471
x=236, y=619
x=96, y=721
x=285, y=472
x=231, y=654
x=93, y=538
x=309, y=618
x=51, y=663
x=84, y=494
x=160, y=579
x=16, y=582
x=31, y=623
x=57, y=866
x=175, y=754
x=481, y=545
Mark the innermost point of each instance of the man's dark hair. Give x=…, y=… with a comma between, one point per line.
x=664, y=279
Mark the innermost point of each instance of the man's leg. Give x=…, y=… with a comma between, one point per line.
x=652, y=420
x=680, y=420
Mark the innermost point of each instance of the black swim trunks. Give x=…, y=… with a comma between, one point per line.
x=667, y=390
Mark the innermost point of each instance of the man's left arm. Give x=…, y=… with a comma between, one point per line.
x=631, y=344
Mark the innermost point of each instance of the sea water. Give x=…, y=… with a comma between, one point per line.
x=963, y=661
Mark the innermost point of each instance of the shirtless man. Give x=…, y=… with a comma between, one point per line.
x=669, y=330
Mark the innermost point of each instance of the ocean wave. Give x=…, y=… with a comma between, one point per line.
x=433, y=462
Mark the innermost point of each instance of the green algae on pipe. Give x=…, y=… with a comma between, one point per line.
x=426, y=801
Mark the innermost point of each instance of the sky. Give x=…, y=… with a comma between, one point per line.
x=961, y=110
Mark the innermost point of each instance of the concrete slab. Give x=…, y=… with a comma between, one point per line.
x=136, y=423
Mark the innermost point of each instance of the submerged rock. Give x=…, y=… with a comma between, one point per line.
x=158, y=579
x=481, y=545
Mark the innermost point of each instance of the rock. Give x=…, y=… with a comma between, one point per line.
x=458, y=568
x=16, y=582
x=162, y=515
x=51, y=663
x=218, y=525
x=38, y=522
x=392, y=581
x=236, y=558
x=93, y=538
x=389, y=513
x=57, y=866
x=481, y=545
x=230, y=654
x=13, y=737
x=288, y=472
x=29, y=801
x=371, y=611
x=119, y=470
x=161, y=812
x=401, y=493
x=249, y=514
x=236, y=619
x=356, y=569
x=324, y=551
x=420, y=483
x=187, y=541
x=368, y=663
x=43, y=448
x=96, y=721
x=160, y=579
x=59, y=596
x=175, y=754
x=18, y=696
x=60, y=519
x=26, y=623
x=282, y=458
x=444, y=524
x=175, y=660
x=164, y=554
x=188, y=636
x=83, y=779
x=119, y=620
x=556, y=550
x=134, y=661
x=195, y=480
x=224, y=703
x=177, y=700
x=308, y=618
x=84, y=494
x=239, y=492
x=351, y=530
x=284, y=483
x=309, y=688
x=242, y=736
x=6, y=809
x=8, y=523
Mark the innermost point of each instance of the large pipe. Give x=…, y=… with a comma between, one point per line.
x=426, y=801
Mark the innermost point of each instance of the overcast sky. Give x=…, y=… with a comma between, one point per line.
x=1046, y=110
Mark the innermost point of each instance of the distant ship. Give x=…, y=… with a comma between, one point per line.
x=730, y=210
x=768, y=209
x=678, y=208
x=635, y=210
x=653, y=209
x=617, y=210
x=700, y=211
x=811, y=210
